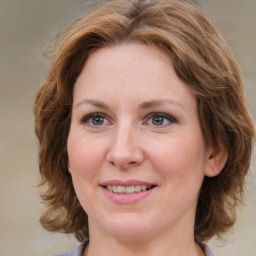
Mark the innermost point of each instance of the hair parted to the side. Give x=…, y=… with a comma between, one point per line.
x=202, y=60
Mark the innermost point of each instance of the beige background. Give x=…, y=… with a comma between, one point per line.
x=26, y=26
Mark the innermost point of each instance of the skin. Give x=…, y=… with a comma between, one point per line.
x=126, y=84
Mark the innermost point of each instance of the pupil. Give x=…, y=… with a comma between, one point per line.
x=157, y=120
x=97, y=120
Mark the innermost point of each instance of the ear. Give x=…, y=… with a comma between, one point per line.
x=215, y=162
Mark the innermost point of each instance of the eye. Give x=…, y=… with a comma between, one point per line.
x=160, y=119
x=95, y=120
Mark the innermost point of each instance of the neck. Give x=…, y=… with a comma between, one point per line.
x=164, y=245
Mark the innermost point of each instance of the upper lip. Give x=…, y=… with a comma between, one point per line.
x=126, y=183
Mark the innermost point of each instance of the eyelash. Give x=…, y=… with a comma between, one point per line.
x=170, y=119
x=85, y=119
x=163, y=116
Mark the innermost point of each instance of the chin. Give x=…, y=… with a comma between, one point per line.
x=129, y=228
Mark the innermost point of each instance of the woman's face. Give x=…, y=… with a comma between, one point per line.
x=135, y=147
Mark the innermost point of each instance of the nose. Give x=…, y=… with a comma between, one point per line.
x=125, y=151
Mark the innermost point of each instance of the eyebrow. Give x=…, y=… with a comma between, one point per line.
x=155, y=103
x=144, y=105
x=95, y=103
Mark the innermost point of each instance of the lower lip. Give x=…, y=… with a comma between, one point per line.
x=127, y=198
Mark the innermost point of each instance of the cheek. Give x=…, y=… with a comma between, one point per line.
x=85, y=162
x=84, y=156
x=181, y=159
x=84, y=159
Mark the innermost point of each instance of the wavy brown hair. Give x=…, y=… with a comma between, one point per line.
x=202, y=60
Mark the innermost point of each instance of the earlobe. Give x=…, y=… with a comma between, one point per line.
x=216, y=162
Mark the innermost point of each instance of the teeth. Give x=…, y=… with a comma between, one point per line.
x=127, y=189
x=137, y=188
x=114, y=188
x=144, y=187
x=120, y=189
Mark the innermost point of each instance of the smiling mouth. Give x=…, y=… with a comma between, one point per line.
x=128, y=189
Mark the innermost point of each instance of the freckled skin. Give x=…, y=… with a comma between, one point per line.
x=129, y=144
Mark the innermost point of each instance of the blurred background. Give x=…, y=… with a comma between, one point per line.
x=26, y=28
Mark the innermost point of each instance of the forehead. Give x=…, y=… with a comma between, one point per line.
x=130, y=69
x=130, y=55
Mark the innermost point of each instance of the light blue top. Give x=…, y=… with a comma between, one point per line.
x=208, y=251
x=78, y=251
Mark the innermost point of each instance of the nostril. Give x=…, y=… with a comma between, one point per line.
x=124, y=165
x=124, y=159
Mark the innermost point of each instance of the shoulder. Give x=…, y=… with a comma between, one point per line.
x=78, y=251
x=208, y=251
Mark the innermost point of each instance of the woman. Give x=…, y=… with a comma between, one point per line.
x=145, y=139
